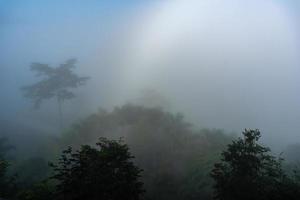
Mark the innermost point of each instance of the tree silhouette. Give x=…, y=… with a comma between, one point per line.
x=57, y=83
x=3, y=181
x=103, y=173
x=7, y=184
x=248, y=171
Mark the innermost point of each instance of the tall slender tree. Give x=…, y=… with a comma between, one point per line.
x=57, y=83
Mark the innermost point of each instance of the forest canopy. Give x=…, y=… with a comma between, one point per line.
x=173, y=159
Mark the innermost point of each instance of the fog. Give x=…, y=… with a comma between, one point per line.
x=157, y=99
x=223, y=64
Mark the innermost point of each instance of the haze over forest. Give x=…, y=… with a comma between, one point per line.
x=223, y=65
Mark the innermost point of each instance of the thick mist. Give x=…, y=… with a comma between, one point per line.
x=227, y=65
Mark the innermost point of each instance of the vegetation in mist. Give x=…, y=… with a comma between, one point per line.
x=248, y=171
x=56, y=83
x=103, y=173
x=178, y=161
x=171, y=100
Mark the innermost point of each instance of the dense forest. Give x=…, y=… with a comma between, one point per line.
x=162, y=155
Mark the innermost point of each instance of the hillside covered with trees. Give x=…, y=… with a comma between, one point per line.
x=169, y=158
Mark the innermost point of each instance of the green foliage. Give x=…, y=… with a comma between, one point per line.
x=177, y=161
x=7, y=184
x=248, y=171
x=57, y=82
x=106, y=172
x=3, y=170
x=4, y=148
x=175, y=158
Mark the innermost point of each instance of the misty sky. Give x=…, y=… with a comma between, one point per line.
x=224, y=64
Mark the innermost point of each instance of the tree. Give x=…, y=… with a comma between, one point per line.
x=4, y=148
x=176, y=159
x=57, y=83
x=7, y=184
x=3, y=169
x=248, y=171
x=103, y=173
